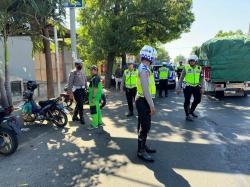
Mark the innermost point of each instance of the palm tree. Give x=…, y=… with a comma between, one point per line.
x=41, y=15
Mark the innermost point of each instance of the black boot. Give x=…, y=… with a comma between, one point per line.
x=75, y=118
x=194, y=115
x=82, y=121
x=130, y=114
x=149, y=149
x=142, y=154
x=188, y=118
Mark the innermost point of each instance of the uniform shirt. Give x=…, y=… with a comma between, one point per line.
x=144, y=74
x=95, y=81
x=77, y=79
x=183, y=74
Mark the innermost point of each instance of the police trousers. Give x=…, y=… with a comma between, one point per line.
x=79, y=96
x=163, y=85
x=188, y=92
x=130, y=95
x=144, y=122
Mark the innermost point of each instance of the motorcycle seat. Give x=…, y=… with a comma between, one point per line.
x=45, y=103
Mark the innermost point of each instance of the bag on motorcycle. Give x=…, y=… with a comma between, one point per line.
x=27, y=108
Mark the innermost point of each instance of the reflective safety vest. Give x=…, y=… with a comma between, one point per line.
x=130, y=78
x=180, y=68
x=163, y=73
x=192, y=77
x=151, y=86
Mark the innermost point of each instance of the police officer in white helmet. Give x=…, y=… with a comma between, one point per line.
x=192, y=78
x=144, y=103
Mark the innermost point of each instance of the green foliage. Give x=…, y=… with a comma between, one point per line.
x=124, y=26
x=179, y=58
x=162, y=54
x=230, y=33
x=194, y=49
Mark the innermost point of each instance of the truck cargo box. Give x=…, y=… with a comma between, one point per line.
x=228, y=58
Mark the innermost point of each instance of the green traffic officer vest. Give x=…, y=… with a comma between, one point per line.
x=192, y=77
x=163, y=73
x=180, y=67
x=91, y=90
x=130, y=78
x=152, y=87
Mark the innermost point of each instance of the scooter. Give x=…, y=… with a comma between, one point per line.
x=9, y=130
x=51, y=110
x=68, y=101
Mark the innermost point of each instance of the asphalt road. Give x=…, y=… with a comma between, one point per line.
x=214, y=150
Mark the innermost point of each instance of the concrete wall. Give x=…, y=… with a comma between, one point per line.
x=21, y=63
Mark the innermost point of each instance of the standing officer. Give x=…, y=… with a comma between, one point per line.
x=95, y=93
x=129, y=80
x=77, y=86
x=163, y=76
x=144, y=103
x=192, y=76
x=179, y=69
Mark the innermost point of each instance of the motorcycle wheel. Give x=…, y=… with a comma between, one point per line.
x=59, y=118
x=27, y=117
x=10, y=141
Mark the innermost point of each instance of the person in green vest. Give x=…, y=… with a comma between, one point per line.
x=95, y=92
x=163, y=77
x=129, y=85
x=144, y=102
x=179, y=69
x=192, y=78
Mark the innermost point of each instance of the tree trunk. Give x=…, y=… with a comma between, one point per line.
x=63, y=61
x=3, y=97
x=110, y=63
x=6, y=69
x=124, y=63
x=49, y=70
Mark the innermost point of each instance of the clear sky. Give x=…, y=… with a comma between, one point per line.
x=210, y=17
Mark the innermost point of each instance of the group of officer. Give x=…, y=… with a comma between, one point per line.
x=139, y=86
x=78, y=88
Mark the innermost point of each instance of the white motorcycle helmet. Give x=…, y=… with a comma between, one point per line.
x=149, y=53
x=193, y=57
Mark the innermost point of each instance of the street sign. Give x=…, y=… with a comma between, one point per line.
x=73, y=3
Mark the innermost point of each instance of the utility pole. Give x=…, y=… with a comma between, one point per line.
x=73, y=33
x=57, y=61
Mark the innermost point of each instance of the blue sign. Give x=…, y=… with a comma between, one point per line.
x=73, y=3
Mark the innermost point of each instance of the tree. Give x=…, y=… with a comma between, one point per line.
x=179, y=58
x=42, y=16
x=194, y=49
x=162, y=54
x=11, y=23
x=230, y=33
x=114, y=28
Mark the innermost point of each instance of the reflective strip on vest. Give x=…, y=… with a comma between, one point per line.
x=130, y=78
x=163, y=73
x=192, y=77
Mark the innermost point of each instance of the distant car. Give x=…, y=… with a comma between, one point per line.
x=171, y=79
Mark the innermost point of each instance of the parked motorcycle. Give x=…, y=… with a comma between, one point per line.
x=68, y=102
x=9, y=130
x=51, y=110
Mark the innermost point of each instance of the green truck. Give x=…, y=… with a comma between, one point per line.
x=226, y=65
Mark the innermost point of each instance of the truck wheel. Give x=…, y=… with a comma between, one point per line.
x=219, y=94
